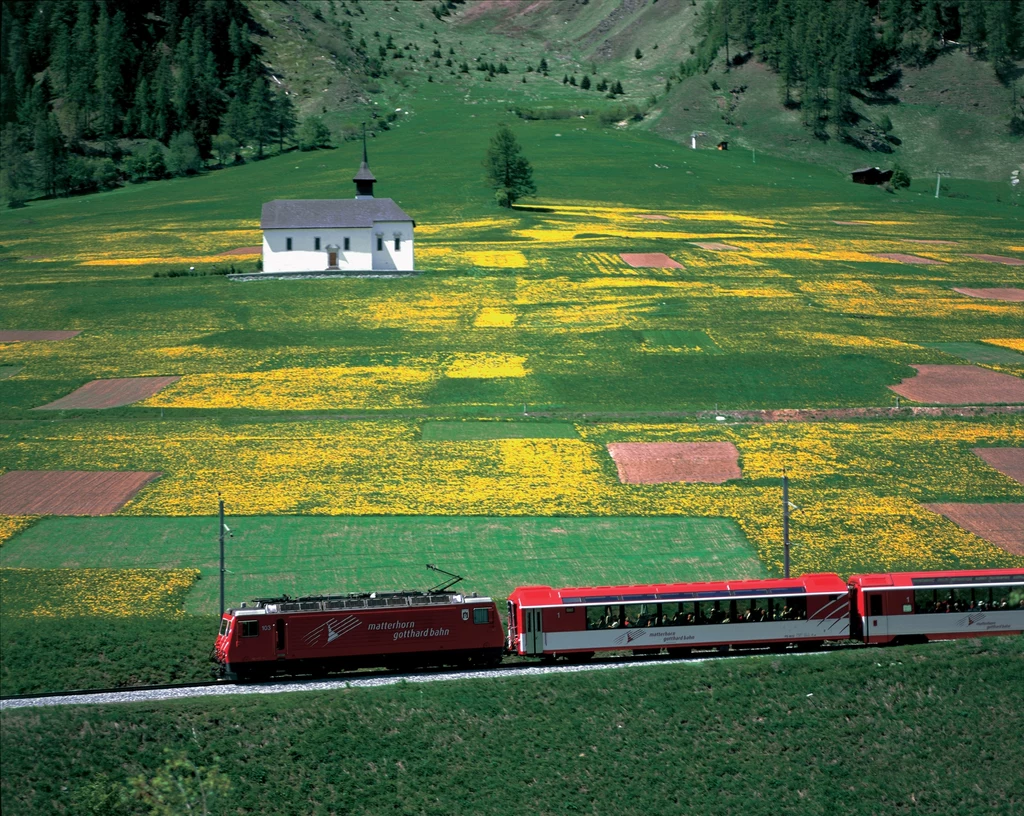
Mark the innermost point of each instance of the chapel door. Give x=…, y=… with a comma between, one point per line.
x=332, y=259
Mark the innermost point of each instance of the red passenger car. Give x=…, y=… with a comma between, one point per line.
x=912, y=607
x=325, y=633
x=577, y=622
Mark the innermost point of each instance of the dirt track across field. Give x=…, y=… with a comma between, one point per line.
x=69, y=492
x=930, y=241
x=960, y=385
x=110, y=393
x=999, y=259
x=715, y=246
x=654, y=217
x=1009, y=294
x=650, y=260
x=249, y=250
x=1008, y=461
x=662, y=462
x=907, y=259
x=1002, y=524
x=33, y=336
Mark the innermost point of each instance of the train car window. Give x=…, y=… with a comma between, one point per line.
x=481, y=614
x=754, y=612
x=639, y=616
x=794, y=608
x=713, y=612
x=250, y=628
x=1002, y=597
x=599, y=617
x=225, y=624
x=925, y=601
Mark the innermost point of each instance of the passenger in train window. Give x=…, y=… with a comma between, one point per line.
x=716, y=615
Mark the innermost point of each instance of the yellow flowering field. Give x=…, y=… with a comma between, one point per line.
x=487, y=366
x=859, y=484
x=12, y=525
x=1016, y=344
x=112, y=593
x=300, y=389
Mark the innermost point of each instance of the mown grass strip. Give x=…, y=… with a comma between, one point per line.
x=979, y=352
x=448, y=431
x=302, y=555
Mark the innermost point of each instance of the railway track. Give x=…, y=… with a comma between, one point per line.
x=222, y=688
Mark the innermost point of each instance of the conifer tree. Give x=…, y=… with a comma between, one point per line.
x=508, y=171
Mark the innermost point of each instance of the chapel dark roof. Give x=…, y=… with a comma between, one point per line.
x=312, y=213
x=363, y=173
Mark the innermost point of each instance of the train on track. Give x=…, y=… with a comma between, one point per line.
x=440, y=627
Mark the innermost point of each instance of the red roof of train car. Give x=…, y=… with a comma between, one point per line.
x=912, y=579
x=566, y=596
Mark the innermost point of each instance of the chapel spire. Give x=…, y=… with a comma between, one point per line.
x=364, y=179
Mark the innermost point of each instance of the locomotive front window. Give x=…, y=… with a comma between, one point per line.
x=481, y=614
x=250, y=628
x=225, y=624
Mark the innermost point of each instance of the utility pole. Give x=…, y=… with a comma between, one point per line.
x=938, y=180
x=221, y=528
x=785, y=524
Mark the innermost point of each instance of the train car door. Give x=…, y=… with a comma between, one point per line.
x=878, y=625
x=279, y=639
x=534, y=631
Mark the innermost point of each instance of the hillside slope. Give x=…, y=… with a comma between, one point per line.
x=951, y=113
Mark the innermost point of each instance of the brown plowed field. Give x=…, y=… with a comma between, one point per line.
x=69, y=492
x=250, y=250
x=110, y=393
x=1008, y=461
x=31, y=336
x=650, y=260
x=960, y=385
x=1010, y=294
x=661, y=462
x=714, y=246
x=999, y=259
x=907, y=259
x=1002, y=524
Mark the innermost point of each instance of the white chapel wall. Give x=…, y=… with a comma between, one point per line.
x=304, y=258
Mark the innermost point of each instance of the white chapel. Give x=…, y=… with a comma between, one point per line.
x=361, y=234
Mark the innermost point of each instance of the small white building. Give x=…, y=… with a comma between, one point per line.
x=361, y=234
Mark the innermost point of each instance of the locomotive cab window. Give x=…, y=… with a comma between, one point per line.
x=481, y=615
x=250, y=628
x=225, y=624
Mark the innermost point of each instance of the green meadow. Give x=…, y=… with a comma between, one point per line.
x=925, y=729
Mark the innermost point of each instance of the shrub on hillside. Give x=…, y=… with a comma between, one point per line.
x=900, y=178
x=314, y=134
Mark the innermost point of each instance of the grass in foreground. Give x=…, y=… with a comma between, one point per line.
x=930, y=730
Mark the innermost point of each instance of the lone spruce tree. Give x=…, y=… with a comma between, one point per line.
x=508, y=170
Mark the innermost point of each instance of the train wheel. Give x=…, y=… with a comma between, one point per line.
x=680, y=651
x=723, y=649
x=579, y=657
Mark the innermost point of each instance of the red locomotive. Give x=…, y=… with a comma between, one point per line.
x=438, y=627
x=318, y=634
